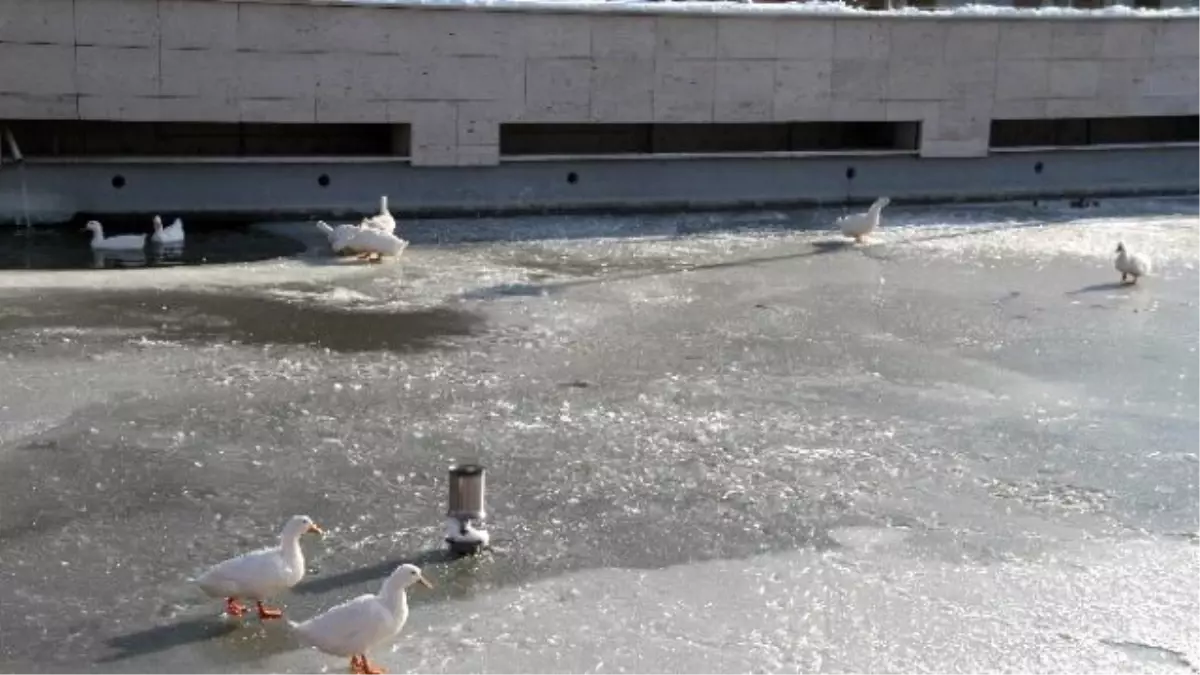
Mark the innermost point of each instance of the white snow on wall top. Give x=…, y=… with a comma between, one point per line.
x=817, y=8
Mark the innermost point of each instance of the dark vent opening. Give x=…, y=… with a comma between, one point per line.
x=705, y=139
x=1095, y=131
x=87, y=138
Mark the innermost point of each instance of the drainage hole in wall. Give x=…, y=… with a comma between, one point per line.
x=851, y=173
x=118, y=181
x=323, y=180
x=572, y=178
x=1037, y=168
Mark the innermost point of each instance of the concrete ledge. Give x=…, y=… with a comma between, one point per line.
x=214, y=187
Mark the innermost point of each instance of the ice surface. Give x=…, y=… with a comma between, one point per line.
x=718, y=442
x=869, y=607
x=1170, y=240
x=469, y=258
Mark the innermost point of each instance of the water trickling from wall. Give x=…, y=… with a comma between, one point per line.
x=24, y=199
x=14, y=150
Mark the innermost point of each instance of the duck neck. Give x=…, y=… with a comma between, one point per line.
x=395, y=598
x=875, y=209
x=289, y=545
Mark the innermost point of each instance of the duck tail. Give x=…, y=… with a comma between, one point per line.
x=324, y=227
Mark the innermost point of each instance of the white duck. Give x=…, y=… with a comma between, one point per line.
x=859, y=225
x=362, y=241
x=169, y=235
x=260, y=574
x=382, y=221
x=374, y=244
x=337, y=235
x=121, y=242
x=353, y=627
x=1131, y=264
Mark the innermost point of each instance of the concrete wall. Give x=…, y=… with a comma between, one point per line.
x=456, y=74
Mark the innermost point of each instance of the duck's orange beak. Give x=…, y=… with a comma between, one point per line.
x=316, y=529
x=424, y=582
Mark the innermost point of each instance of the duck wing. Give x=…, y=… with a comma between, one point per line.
x=255, y=570
x=174, y=232
x=122, y=242
x=349, y=628
x=367, y=240
x=382, y=222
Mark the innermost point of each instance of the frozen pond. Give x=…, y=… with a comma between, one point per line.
x=720, y=442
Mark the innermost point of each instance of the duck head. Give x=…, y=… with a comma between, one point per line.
x=406, y=575
x=1120, y=247
x=158, y=226
x=298, y=526
x=92, y=226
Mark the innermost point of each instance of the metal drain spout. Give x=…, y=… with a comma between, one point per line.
x=13, y=148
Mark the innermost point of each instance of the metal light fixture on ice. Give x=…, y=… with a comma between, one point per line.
x=466, y=512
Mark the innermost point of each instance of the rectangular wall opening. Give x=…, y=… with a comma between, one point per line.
x=525, y=140
x=87, y=138
x=1077, y=132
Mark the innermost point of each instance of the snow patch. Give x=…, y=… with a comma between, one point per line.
x=817, y=8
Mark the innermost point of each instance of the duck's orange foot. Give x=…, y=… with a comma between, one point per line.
x=234, y=608
x=367, y=669
x=265, y=612
x=355, y=665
